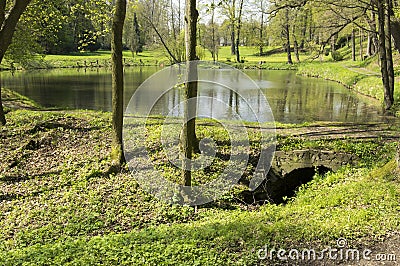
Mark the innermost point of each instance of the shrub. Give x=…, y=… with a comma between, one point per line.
x=337, y=56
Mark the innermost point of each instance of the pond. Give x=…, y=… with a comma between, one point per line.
x=292, y=98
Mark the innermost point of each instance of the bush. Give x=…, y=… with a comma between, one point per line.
x=337, y=56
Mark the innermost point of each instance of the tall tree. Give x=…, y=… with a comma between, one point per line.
x=395, y=25
x=239, y=27
x=8, y=22
x=117, y=155
x=382, y=53
x=389, y=51
x=287, y=35
x=353, y=44
x=188, y=136
x=263, y=9
x=213, y=45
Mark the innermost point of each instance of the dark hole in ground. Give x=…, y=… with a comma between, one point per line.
x=278, y=189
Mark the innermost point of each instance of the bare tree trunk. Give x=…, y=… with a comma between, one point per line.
x=361, y=45
x=117, y=155
x=188, y=136
x=262, y=29
x=382, y=54
x=8, y=23
x=388, y=43
x=369, y=45
x=2, y=115
x=173, y=20
x=396, y=33
x=173, y=57
x=296, y=50
x=395, y=26
x=233, y=26
x=295, y=43
x=239, y=26
x=287, y=31
x=353, y=45
x=214, y=48
x=372, y=35
x=304, y=30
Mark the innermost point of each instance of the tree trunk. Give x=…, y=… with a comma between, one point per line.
x=117, y=155
x=353, y=45
x=239, y=26
x=389, y=51
x=188, y=136
x=287, y=31
x=295, y=43
x=173, y=57
x=214, y=44
x=382, y=54
x=372, y=36
x=361, y=45
x=262, y=29
x=2, y=115
x=173, y=20
x=369, y=45
x=304, y=31
x=395, y=26
x=296, y=50
x=7, y=27
x=233, y=26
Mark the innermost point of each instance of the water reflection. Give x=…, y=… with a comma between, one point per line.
x=293, y=99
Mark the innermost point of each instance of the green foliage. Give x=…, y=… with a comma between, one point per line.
x=351, y=203
x=337, y=56
x=76, y=213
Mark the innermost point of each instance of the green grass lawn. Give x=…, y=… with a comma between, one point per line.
x=59, y=206
x=103, y=58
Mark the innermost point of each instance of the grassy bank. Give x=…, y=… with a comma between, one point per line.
x=60, y=206
x=91, y=60
x=352, y=76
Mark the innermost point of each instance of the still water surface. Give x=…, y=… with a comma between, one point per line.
x=293, y=99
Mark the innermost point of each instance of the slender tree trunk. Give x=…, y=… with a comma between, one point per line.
x=287, y=31
x=361, y=45
x=394, y=26
x=173, y=20
x=353, y=45
x=117, y=155
x=2, y=115
x=295, y=43
x=262, y=29
x=188, y=136
x=173, y=57
x=214, y=44
x=389, y=51
x=233, y=26
x=372, y=35
x=296, y=50
x=382, y=54
x=304, y=31
x=239, y=26
x=369, y=45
